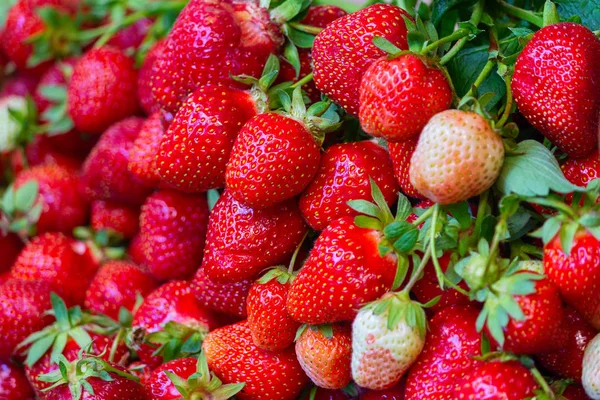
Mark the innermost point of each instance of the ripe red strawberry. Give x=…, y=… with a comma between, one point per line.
x=452, y=341
x=411, y=89
x=241, y=241
x=345, y=173
x=44, y=150
x=497, y=380
x=104, y=175
x=62, y=262
x=211, y=42
x=22, y=312
x=143, y=154
x=13, y=383
x=117, y=284
x=194, y=152
x=103, y=90
x=325, y=353
x=115, y=217
x=555, y=86
x=172, y=231
x=575, y=392
x=343, y=272
x=63, y=207
x=10, y=247
x=573, y=335
x=458, y=156
x=401, y=154
x=144, y=82
x=227, y=298
x=233, y=357
x=343, y=51
x=581, y=171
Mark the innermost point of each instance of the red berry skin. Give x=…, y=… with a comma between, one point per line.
x=160, y=387
x=104, y=175
x=115, y=217
x=226, y=298
x=394, y=393
x=117, y=285
x=103, y=90
x=130, y=37
x=10, y=247
x=573, y=335
x=577, y=274
x=144, y=82
x=270, y=324
x=54, y=76
x=193, y=154
x=60, y=261
x=241, y=241
x=233, y=357
x=172, y=231
x=22, y=312
x=575, y=392
x=274, y=158
x=409, y=88
x=22, y=84
x=401, y=154
x=209, y=42
x=582, y=171
x=344, y=175
x=13, y=383
x=326, y=394
x=555, y=86
x=63, y=207
x=343, y=272
x=452, y=341
x=497, y=380
x=344, y=50
x=143, y=154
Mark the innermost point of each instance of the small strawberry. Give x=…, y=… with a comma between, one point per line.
x=172, y=233
x=143, y=154
x=144, y=81
x=227, y=298
x=497, y=380
x=324, y=353
x=233, y=357
x=555, y=86
x=321, y=16
x=590, y=376
x=344, y=50
x=401, y=154
x=458, y=156
x=13, y=383
x=410, y=88
x=344, y=175
x=116, y=218
x=242, y=241
x=102, y=90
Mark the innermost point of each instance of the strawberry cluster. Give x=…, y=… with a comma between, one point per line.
x=281, y=200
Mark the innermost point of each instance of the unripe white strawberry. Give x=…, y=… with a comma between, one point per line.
x=9, y=126
x=384, y=344
x=458, y=156
x=590, y=376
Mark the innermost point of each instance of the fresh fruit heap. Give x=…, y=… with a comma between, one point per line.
x=279, y=200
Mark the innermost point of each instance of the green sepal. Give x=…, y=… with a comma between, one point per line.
x=176, y=340
x=550, y=14
x=385, y=45
x=288, y=10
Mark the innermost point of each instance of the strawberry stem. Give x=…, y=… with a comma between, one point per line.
x=485, y=72
x=542, y=382
x=303, y=81
x=475, y=19
x=459, y=34
x=509, y=103
x=529, y=16
x=417, y=273
x=423, y=217
x=295, y=255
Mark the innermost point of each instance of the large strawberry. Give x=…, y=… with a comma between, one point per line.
x=143, y=154
x=242, y=241
x=401, y=154
x=102, y=90
x=556, y=86
x=411, y=89
x=14, y=385
x=173, y=241
x=458, y=156
x=345, y=173
x=227, y=298
x=233, y=357
x=506, y=380
x=210, y=42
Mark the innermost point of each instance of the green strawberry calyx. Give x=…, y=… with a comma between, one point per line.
x=261, y=87
x=177, y=340
x=20, y=209
x=325, y=329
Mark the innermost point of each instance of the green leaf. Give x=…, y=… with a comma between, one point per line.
x=301, y=39
x=326, y=330
x=385, y=45
x=440, y=7
x=213, y=196
x=8, y=201
x=365, y=207
x=38, y=349
x=290, y=52
x=287, y=10
x=567, y=235
x=404, y=208
x=461, y=212
x=54, y=93
x=587, y=10
x=416, y=40
x=26, y=195
x=407, y=241
x=362, y=221
x=401, y=271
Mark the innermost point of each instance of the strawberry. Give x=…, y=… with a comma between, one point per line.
x=104, y=175
x=575, y=392
x=132, y=36
x=233, y=357
x=22, y=312
x=13, y=384
x=411, y=89
x=144, y=81
x=242, y=241
x=55, y=77
x=343, y=51
x=62, y=262
x=143, y=154
x=581, y=171
x=193, y=154
x=458, y=156
x=567, y=114
x=211, y=42
x=118, y=218
x=22, y=84
x=452, y=343
x=326, y=394
x=590, y=378
x=116, y=285
x=394, y=393
x=62, y=206
x=573, y=335
x=401, y=154
x=497, y=380
x=10, y=247
x=324, y=353
x=321, y=16
x=271, y=326
x=173, y=241
x=345, y=173
x=227, y=298
x=102, y=90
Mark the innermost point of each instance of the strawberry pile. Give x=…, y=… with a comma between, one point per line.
x=287, y=199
